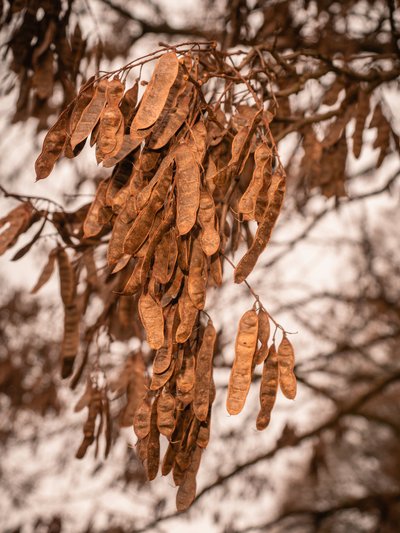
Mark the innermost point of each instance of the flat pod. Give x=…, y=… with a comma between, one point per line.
x=93, y=224
x=156, y=93
x=247, y=203
x=141, y=420
x=186, y=377
x=14, y=223
x=187, y=489
x=197, y=279
x=152, y=319
x=268, y=388
x=90, y=114
x=188, y=316
x=165, y=257
x=240, y=379
x=153, y=445
x=187, y=179
x=264, y=230
x=70, y=342
x=53, y=145
x=47, y=271
x=67, y=277
x=264, y=330
x=166, y=414
x=209, y=235
x=287, y=379
x=203, y=376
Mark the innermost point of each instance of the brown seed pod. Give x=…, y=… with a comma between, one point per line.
x=47, y=271
x=70, y=342
x=153, y=445
x=93, y=223
x=263, y=234
x=287, y=379
x=188, y=188
x=188, y=316
x=156, y=93
x=247, y=203
x=203, y=375
x=165, y=257
x=152, y=319
x=159, y=380
x=53, y=145
x=15, y=222
x=268, y=388
x=185, y=377
x=90, y=114
x=67, y=277
x=166, y=414
x=197, y=279
x=209, y=235
x=187, y=489
x=264, y=330
x=240, y=379
x=141, y=420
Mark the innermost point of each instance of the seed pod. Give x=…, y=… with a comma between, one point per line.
x=174, y=288
x=216, y=269
x=188, y=315
x=152, y=319
x=185, y=378
x=203, y=376
x=67, y=277
x=70, y=342
x=188, y=188
x=53, y=145
x=166, y=414
x=287, y=379
x=165, y=258
x=268, y=388
x=91, y=114
x=93, y=223
x=159, y=380
x=263, y=234
x=169, y=458
x=263, y=336
x=141, y=420
x=247, y=203
x=197, y=279
x=187, y=489
x=153, y=446
x=240, y=379
x=209, y=236
x=156, y=93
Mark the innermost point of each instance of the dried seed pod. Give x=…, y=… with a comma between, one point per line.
x=165, y=257
x=166, y=414
x=188, y=188
x=174, y=288
x=240, y=379
x=203, y=375
x=156, y=93
x=188, y=316
x=70, y=342
x=264, y=330
x=159, y=380
x=67, y=277
x=152, y=319
x=268, y=388
x=141, y=420
x=264, y=230
x=15, y=222
x=53, y=145
x=197, y=279
x=90, y=114
x=209, y=236
x=169, y=458
x=153, y=446
x=185, y=377
x=93, y=223
x=287, y=379
x=247, y=203
x=187, y=489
